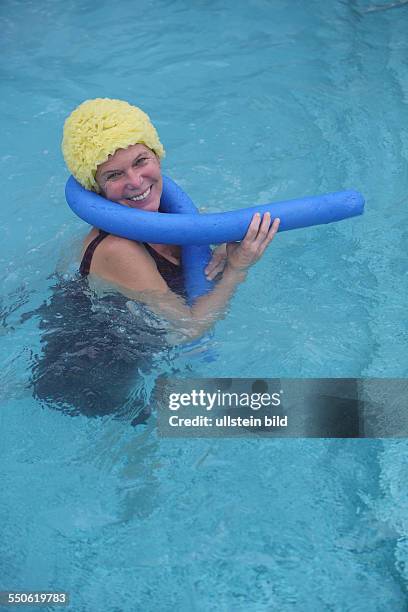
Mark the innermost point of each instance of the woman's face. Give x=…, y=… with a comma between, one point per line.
x=132, y=177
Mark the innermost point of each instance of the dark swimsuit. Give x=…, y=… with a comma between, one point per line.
x=94, y=348
x=172, y=273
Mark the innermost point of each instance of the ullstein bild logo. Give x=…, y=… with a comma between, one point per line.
x=322, y=408
x=228, y=421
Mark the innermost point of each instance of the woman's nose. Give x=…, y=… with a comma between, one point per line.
x=134, y=178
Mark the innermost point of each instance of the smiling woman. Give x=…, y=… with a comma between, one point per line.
x=122, y=177
x=87, y=363
x=112, y=148
x=131, y=177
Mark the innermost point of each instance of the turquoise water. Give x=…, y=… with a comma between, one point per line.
x=255, y=101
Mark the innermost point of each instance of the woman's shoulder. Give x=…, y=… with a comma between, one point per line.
x=126, y=264
x=113, y=256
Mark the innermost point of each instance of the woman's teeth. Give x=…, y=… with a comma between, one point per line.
x=142, y=196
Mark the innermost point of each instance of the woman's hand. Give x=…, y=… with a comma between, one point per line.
x=217, y=263
x=242, y=255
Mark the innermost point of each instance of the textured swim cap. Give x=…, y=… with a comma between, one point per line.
x=97, y=128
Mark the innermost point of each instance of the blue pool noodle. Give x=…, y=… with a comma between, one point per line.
x=194, y=257
x=194, y=231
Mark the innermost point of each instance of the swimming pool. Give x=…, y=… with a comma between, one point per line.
x=254, y=103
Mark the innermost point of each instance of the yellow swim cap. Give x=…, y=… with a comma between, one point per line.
x=97, y=128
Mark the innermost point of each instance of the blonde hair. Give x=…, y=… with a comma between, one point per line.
x=97, y=128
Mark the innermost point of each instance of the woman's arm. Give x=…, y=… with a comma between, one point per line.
x=129, y=267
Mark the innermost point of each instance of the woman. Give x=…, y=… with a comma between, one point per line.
x=112, y=148
x=92, y=346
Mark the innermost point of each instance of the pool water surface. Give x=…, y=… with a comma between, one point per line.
x=254, y=101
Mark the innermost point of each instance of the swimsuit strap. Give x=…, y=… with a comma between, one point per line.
x=90, y=249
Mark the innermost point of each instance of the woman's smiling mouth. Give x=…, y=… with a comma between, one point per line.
x=140, y=197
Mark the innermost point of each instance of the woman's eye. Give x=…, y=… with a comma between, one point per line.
x=113, y=176
x=140, y=159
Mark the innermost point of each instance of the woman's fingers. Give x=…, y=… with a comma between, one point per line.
x=210, y=267
x=211, y=274
x=264, y=227
x=272, y=230
x=270, y=235
x=253, y=228
x=214, y=265
x=262, y=231
x=217, y=263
